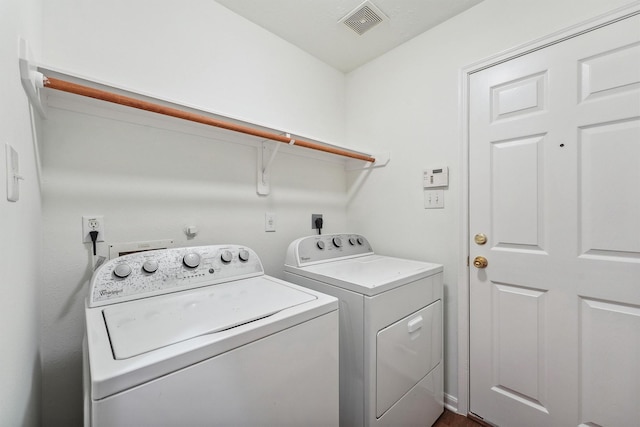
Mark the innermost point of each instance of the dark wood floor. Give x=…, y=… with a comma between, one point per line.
x=449, y=419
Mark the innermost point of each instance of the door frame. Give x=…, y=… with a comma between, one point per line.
x=463, y=244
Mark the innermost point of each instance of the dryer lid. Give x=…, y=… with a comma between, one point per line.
x=370, y=274
x=141, y=326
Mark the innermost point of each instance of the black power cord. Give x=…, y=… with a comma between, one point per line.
x=319, y=225
x=94, y=236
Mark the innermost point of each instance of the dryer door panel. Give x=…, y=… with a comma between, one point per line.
x=406, y=352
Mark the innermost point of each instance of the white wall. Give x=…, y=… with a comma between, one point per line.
x=411, y=105
x=151, y=177
x=20, y=236
x=203, y=55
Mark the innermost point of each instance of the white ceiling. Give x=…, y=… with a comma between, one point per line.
x=313, y=25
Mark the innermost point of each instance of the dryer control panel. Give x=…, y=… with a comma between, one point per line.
x=312, y=249
x=145, y=274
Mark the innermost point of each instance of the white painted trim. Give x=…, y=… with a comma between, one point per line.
x=85, y=105
x=463, y=404
x=555, y=38
x=69, y=102
x=31, y=79
x=451, y=403
x=463, y=266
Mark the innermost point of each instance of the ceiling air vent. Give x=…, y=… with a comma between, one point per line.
x=363, y=18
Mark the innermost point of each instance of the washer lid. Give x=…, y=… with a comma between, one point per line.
x=370, y=274
x=145, y=325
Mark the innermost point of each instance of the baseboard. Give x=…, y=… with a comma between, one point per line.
x=451, y=403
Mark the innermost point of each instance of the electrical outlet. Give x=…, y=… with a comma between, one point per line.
x=434, y=199
x=92, y=223
x=313, y=220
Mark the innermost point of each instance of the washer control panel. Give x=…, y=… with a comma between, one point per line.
x=312, y=249
x=145, y=274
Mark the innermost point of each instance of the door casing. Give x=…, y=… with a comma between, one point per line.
x=464, y=250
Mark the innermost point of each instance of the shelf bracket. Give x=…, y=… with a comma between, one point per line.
x=382, y=159
x=267, y=152
x=32, y=80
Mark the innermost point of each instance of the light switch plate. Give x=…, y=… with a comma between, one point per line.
x=269, y=221
x=434, y=199
x=13, y=174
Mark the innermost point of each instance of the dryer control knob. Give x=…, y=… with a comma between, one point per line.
x=360, y=240
x=320, y=244
x=337, y=242
x=150, y=266
x=243, y=255
x=122, y=270
x=191, y=260
x=352, y=241
x=226, y=257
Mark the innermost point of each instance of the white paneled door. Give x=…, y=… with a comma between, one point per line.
x=554, y=158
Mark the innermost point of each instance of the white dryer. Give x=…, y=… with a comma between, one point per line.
x=391, y=370
x=201, y=336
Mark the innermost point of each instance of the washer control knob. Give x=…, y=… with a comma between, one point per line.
x=337, y=242
x=122, y=270
x=320, y=244
x=150, y=266
x=360, y=240
x=191, y=260
x=243, y=255
x=226, y=257
x=352, y=241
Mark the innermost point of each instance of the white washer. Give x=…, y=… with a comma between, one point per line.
x=391, y=371
x=201, y=336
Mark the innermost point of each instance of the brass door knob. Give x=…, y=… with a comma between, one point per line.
x=480, y=262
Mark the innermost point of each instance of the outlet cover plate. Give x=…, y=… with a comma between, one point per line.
x=86, y=228
x=313, y=220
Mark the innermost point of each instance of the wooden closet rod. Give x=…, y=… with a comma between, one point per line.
x=65, y=86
